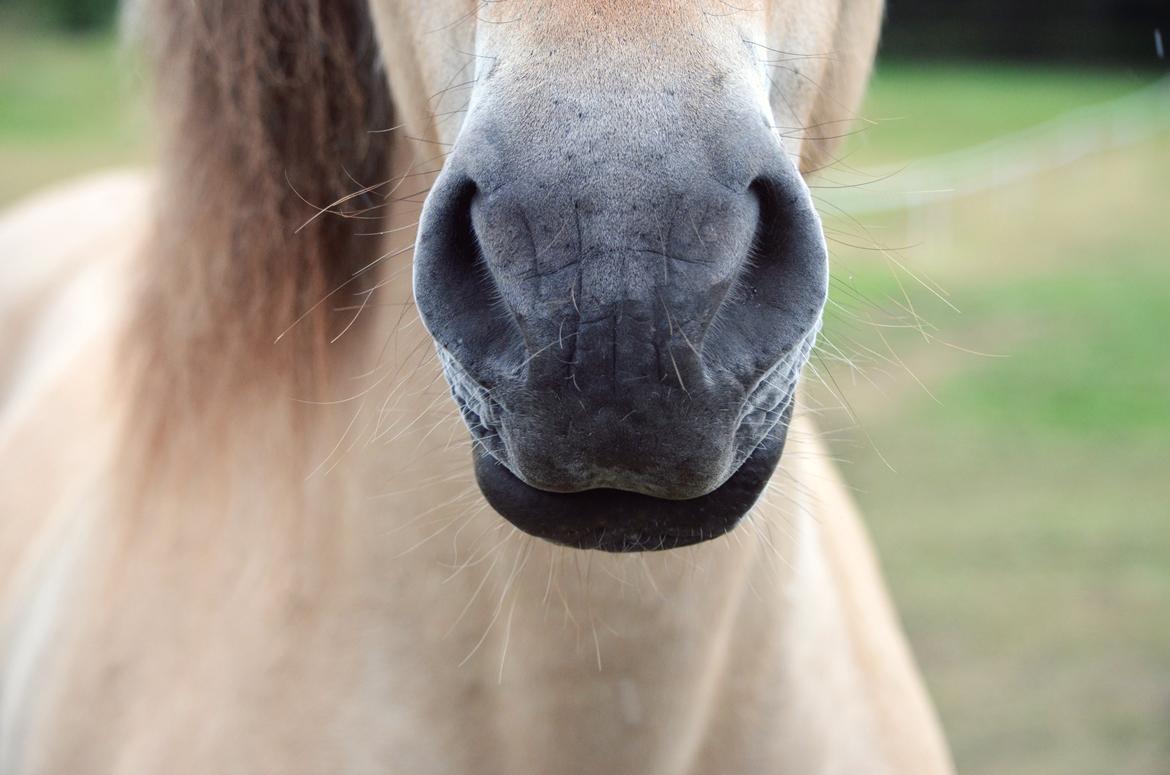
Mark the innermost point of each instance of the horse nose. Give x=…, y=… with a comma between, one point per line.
x=616, y=325
x=616, y=279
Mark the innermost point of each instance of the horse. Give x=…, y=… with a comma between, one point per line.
x=430, y=407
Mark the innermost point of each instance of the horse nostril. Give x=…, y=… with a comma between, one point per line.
x=757, y=192
x=457, y=294
x=782, y=288
x=467, y=253
x=779, y=203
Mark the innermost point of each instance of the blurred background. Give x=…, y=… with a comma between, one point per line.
x=995, y=371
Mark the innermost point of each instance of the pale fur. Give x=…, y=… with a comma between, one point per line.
x=304, y=579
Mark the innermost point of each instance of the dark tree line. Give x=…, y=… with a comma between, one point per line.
x=1121, y=31
x=68, y=15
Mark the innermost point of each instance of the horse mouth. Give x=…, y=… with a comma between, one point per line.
x=617, y=521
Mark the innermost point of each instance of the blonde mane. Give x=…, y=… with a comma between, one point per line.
x=266, y=111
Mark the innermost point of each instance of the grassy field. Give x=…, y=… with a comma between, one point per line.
x=918, y=111
x=67, y=106
x=1019, y=497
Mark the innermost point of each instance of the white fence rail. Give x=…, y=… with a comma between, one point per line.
x=1006, y=160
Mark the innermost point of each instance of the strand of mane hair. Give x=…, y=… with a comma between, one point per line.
x=265, y=111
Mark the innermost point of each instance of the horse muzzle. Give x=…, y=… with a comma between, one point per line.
x=622, y=315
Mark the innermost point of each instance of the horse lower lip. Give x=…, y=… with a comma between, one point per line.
x=619, y=521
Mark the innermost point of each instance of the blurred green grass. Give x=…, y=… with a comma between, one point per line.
x=68, y=105
x=1019, y=498
x=923, y=110
x=1019, y=501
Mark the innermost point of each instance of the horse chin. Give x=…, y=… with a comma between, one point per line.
x=620, y=521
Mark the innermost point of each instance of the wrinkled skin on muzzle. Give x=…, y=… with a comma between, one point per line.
x=623, y=278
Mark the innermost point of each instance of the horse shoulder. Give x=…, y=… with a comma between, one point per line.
x=904, y=724
x=65, y=257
